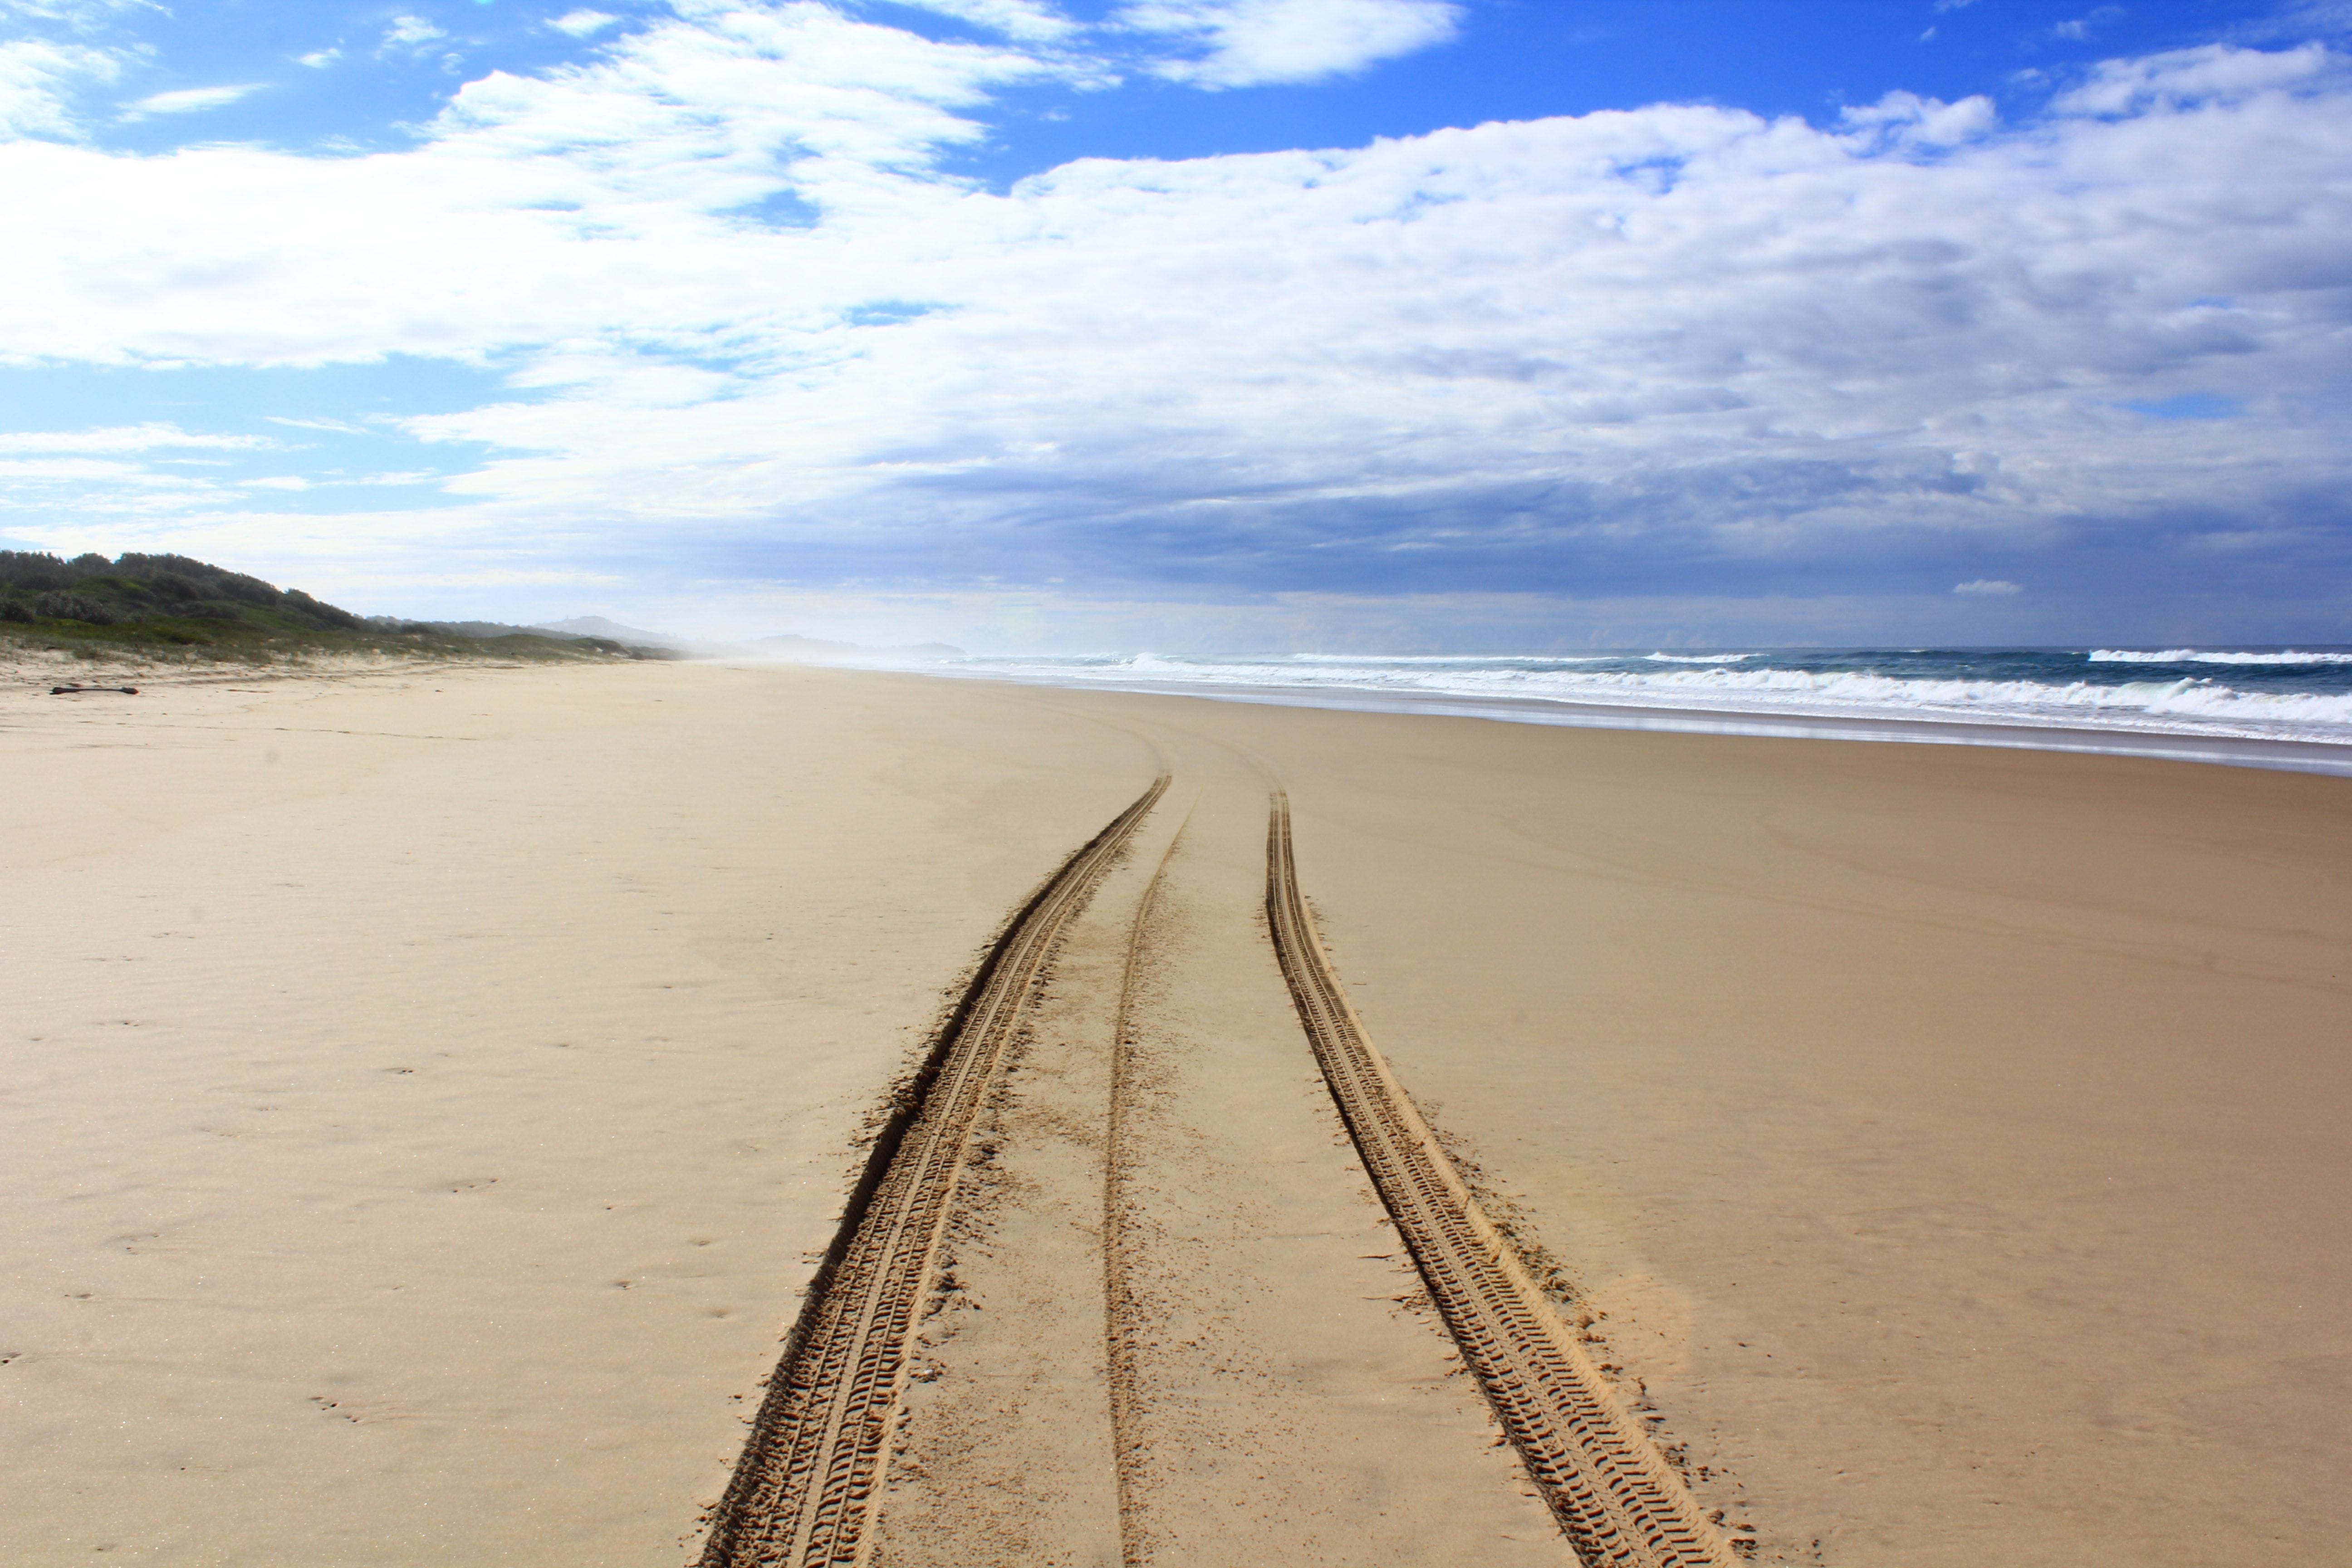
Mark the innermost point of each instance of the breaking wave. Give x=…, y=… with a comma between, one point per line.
x=2270, y=695
x=2213, y=656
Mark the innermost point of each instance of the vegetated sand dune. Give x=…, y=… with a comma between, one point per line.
x=430, y=1091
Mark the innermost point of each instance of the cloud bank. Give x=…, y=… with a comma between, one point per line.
x=748, y=319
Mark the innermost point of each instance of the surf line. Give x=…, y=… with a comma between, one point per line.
x=1621, y=1505
x=809, y=1479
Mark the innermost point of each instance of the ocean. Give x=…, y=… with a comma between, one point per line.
x=2282, y=706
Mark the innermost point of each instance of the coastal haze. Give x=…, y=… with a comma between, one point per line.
x=1176, y=783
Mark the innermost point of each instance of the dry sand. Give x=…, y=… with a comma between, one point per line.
x=427, y=1092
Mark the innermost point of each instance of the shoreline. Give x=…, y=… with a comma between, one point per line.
x=2021, y=733
x=2217, y=745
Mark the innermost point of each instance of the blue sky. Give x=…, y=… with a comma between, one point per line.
x=1406, y=324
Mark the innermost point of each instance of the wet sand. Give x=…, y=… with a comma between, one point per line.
x=429, y=1090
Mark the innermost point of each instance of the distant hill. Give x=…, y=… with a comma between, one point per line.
x=598, y=626
x=497, y=631
x=175, y=604
x=480, y=631
x=818, y=650
x=811, y=650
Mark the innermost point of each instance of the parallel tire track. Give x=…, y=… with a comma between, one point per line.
x=1620, y=1503
x=806, y=1489
x=1123, y=1314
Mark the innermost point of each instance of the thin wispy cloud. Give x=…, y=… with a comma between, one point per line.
x=1029, y=21
x=188, y=100
x=38, y=81
x=409, y=33
x=124, y=438
x=339, y=426
x=2302, y=19
x=133, y=476
x=584, y=24
x=84, y=15
x=2082, y=27
x=2213, y=74
x=1245, y=43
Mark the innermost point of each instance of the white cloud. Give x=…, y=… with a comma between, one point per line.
x=1246, y=43
x=581, y=24
x=2079, y=29
x=408, y=32
x=319, y=59
x=1023, y=19
x=1681, y=333
x=85, y=470
x=122, y=438
x=1906, y=118
x=2298, y=20
x=83, y=14
x=38, y=81
x=2215, y=73
x=339, y=426
x=38, y=467
x=1987, y=587
x=188, y=100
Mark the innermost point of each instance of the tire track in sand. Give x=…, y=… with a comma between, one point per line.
x=1121, y=1313
x=804, y=1491
x=1620, y=1503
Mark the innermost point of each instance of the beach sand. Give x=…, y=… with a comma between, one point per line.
x=430, y=1089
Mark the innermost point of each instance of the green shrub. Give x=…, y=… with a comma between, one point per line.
x=64, y=606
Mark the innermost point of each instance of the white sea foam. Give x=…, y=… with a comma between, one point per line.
x=2199, y=702
x=1698, y=657
x=1528, y=660
x=2183, y=705
x=2211, y=656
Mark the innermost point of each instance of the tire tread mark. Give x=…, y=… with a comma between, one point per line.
x=1619, y=1502
x=804, y=1492
x=1123, y=1313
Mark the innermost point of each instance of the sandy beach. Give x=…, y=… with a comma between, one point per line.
x=431, y=1091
